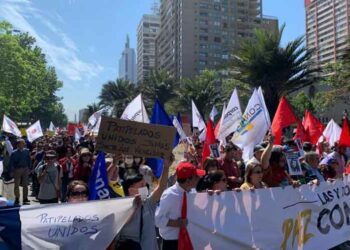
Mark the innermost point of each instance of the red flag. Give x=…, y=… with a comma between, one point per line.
x=284, y=117
x=184, y=242
x=313, y=127
x=344, y=139
x=217, y=129
x=209, y=140
x=300, y=133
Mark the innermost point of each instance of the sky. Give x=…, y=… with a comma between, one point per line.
x=84, y=39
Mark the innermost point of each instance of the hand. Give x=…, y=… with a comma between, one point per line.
x=137, y=201
x=271, y=139
x=296, y=184
x=182, y=222
x=314, y=182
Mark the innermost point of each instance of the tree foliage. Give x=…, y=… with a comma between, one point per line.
x=278, y=70
x=27, y=85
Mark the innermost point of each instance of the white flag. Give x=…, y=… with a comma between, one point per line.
x=52, y=127
x=136, y=111
x=77, y=135
x=34, y=132
x=331, y=133
x=231, y=118
x=96, y=128
x=253, y=126
x=267, y=114
x=94, y=118
x=84, y=225
x=213, y=113
x=197, y=120
x=180, y=131
x=10, y=127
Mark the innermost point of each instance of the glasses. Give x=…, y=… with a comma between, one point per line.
x=77, y=193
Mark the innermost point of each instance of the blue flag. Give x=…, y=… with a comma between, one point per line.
x=10, y=228
x=98, y=183
x=159, y=116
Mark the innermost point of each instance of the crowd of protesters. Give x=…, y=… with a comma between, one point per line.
x=59, y=169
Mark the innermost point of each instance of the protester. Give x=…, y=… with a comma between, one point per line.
x=83, y=167
x=139, y=232
x=67, y=163
x=115, y=185
x=312, y=160
x=216, y=181
x=20, y=165
x=77, y=191
x=146, y=171
x=339, y=155
x=229, y=165
x=49, y=176
x=253, y=177
x=168, y=214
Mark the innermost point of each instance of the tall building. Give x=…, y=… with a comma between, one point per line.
x=127, y=63
x=327, y=29
x=201, y=34
x=147, y=31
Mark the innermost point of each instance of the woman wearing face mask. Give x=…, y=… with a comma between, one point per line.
x=139, y=232
x=146, y=171
x=128, y=167
x=115, y=187
x=82, y=169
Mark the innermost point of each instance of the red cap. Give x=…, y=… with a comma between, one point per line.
x=186, y=170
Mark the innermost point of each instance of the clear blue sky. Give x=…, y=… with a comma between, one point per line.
x=83, y=39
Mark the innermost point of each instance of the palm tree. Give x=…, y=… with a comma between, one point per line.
x=160, y=85
x=116, y=95
x=92, y=108
x=278, y=70
x=204, y=90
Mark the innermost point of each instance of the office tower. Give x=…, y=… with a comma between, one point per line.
x=147, y=31
x=327, y=29
x=203, y=34
x=127, y=63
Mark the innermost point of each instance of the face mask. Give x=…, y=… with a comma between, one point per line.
x=128, y=161
x=143, y=192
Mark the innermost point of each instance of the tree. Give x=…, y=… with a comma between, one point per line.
x=159, y=86
x=92, y=108
x=27, y=85
x=116, y=95
x=204, y=90
x=278, y=70
x=300, y=102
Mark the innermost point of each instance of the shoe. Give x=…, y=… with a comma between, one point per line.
x=26, y=201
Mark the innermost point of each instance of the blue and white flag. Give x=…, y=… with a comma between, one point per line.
x=98, y=183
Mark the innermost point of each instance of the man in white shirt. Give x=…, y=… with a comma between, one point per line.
x=168, y=214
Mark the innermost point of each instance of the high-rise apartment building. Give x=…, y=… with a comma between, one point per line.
x=327, y=29
x=203, y=34
x=147, y=31
x=127, y=63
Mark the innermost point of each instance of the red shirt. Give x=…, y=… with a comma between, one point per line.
x=274, y=176
x=230, y=168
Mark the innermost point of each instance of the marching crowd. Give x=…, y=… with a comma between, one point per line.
x=58, y=169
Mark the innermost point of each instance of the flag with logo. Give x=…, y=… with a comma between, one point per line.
x=231, y=118
x=95, y=118
x=9, y=126
x=98, y=182
x=253, y=126
x=34, y=131
x=136, y=111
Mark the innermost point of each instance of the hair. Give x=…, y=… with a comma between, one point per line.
x=131, y=180
x=249, y=170
x=209, y=161
x=275, y=157
x=81, y=159
x=75, y=183
x=307, y=146
x=310, y=155
x=213, y=177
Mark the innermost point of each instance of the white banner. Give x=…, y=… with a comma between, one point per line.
x=34, y=131
x=136, y=111
x=87, y=225
x=309, y=217
x=10, y=127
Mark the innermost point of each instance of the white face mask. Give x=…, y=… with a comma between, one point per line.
x=143, y=192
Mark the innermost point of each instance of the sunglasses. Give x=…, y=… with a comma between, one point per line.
x=77, y=193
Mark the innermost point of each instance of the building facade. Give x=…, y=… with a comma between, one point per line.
x=327, y=29
x=127, y=63
x=203, y=34
x=147, y=32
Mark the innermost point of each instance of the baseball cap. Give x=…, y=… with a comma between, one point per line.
x=186, y=170
x=258, y=148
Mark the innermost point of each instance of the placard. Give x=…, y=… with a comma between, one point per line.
x=214, y=150
x=135, y=138
x=294, y=166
